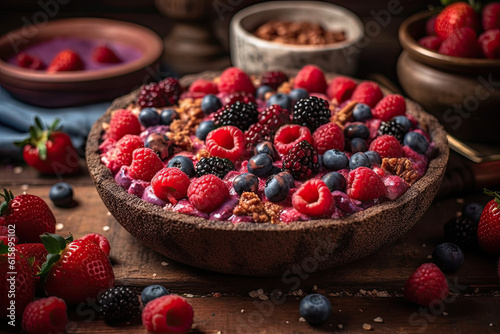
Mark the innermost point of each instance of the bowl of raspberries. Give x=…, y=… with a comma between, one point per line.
x=253, y=174
x=451, y=65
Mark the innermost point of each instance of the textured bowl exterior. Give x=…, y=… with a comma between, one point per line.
x=266, y=249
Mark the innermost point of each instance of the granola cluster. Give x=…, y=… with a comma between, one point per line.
x=251, y=205
x=401, y=167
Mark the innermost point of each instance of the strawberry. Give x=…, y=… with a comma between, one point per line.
x=100, y=240
x=36, y=254
x=364, y=184
x=489, y=42
x=145, y=164
x=488, y=230
x=491, y=16
x=426, y=286
x=45, y=316
x=49, y=150
x=455, y=16
x=75, y=270
x=123, y=122
x=103, y=54
x=341, y=88
x=5, y=236
x=312, y=79
x=30, y=215
x=461, y=43
x=234, y=80
x=28, y=61
x=66, y=60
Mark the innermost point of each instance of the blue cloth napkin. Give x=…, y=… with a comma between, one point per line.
x=16, y=117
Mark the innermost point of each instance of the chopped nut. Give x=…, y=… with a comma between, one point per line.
x=263, y=297
x=286, y=87
x=343, y=115
x=251, y=205
x=401, y=167
x=203, y=154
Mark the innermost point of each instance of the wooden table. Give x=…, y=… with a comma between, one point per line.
x=359, y=292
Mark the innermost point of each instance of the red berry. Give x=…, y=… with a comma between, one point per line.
x=103, y=54
x=207, y=193
x=289, y=135
x=36, y=254
x=100, y=240
x=170, y=314
x=301, y=161
x=28, y=61
x=387, y=146
x=231, y=98
x=367, y=92
x=234, y=80
x=489, y=42
x=389, y=107
x=226, y=142
x=341, y=88
x=203, y=86
x=430, y=42
x=121, y=154
x=364, y=184
x=488, y=231
x=327, y=137
x=170, y=184
x=45, y=316
x=257, y=133
x=273, y=79
x=145, y=164
x=311, y=79
x=123, y=122
x=429, y=26
x=5, y=236
x=161, y=94
x=66, y=60
x=427, y=286
x=491, y=16
x=395, y=186
x=314, y=199
x=455, y=16
x=462, y=43
x=274, y=116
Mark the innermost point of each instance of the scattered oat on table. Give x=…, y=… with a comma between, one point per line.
x=460, y=201
x=263, y=297
x=423, y=245
x=378, y=319
x=315, y=287
x=59, y=226
x=18, y=170
x=301, y=319
x=164, y=263
x=154, y=274
x=25, y=187
x=360, y=310
x=445, y=313
x=491, y=324
x=287, y=322
x=242, y=310
x=340, y=326
x=106, y=228
x=108, y=213
x=367, y=327
x=189, y=295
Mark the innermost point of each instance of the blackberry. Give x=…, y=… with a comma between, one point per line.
x=214, y=165
x=238, y=114
x=257, y=133
x=161, y=94
x=274, y=116
x=273, y=79
x=392, y=128
x=462, y=232
x=119, y=304
x=301, y=161
x=311, y=112
x=237, y=97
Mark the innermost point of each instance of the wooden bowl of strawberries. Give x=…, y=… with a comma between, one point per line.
x=451, y=65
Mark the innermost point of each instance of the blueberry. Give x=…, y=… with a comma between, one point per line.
x=404, y=121
x=288, y=178
x=262, y=91
x=62, y=194
x=265, y=147
x=361, y=112
x=357, y=131
x=204, y=128
x=358, y=145
x=149, y=117
x=315, y=308
x=359, y=160
x=448, y=257
x=298, y=94
x=167, y=116
x=246, y=182
x=374, y=157
x=334, y=181
x=335, y=160
x=260, y=165
x=281, y=99
x=416, y=142
x=183, y=163
x=152, y=292
x=277, y=187
x=210, y=104
x=473, y=211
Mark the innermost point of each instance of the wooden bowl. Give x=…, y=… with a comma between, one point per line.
x=266, y=249
x=462, y=93
x=79, y=87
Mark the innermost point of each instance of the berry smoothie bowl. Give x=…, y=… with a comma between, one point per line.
x=252, y=174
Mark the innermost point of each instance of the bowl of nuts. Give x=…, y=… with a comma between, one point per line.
x=288, y=35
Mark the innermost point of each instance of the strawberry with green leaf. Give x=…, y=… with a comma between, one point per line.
x=488, y=230
x=36, y=254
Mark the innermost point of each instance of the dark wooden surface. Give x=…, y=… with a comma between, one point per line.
x=218, y=300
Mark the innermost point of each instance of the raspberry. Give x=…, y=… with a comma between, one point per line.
x=103, y=54
x=367, y=92
x=207, y=193
x=387, y=147
x=395, y=186
x=274, y=116
x=311, y=79
x=273, y=79
x=28, y=61
x=214, y=165
x=314, y=199
x=454, y=17
x=430, y=42
x=288, y=135
x=168, y=314
x=301, y=161
x=45, y=316
x=234, y=80
x=121, y=154
x=390, y=106
x=226, y=142
x=489, y=41
x=327, y=137
x=203, y=86
x=462, y=43
x=170, y=184
x=161, y=94
x=257, y=133
x=491, y=16
x=239, y=114
x=341, y=88
x=119, y=304
x=364, y=184
x=462, y=232
x=100, y=240
x=427, y=286
x=311, y=112
x=123, y=122
x=229, y=99
x=145, y=164
x=4, y=233
x=392, y=128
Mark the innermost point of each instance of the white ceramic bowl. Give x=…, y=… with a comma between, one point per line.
x=256, y=55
